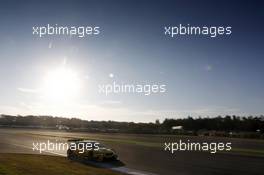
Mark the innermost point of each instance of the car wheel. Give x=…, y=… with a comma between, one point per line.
x=100, y=158
x=90, y=155
x=70, y=155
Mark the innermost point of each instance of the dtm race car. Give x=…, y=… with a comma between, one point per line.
x=89, y=150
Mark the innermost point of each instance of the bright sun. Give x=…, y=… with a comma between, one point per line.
x=61, y=84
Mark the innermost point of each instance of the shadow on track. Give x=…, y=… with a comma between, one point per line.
x=104, y=164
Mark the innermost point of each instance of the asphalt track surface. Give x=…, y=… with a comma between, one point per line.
x=143, y=160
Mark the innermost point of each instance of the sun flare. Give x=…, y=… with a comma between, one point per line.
x=61, y=84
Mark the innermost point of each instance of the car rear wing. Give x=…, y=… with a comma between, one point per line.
x=75, y=140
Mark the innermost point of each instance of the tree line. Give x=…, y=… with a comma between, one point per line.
x=189, y=125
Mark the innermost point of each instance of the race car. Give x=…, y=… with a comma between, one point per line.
x=89, y=150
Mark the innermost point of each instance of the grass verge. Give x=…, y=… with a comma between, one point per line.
x=30, y=164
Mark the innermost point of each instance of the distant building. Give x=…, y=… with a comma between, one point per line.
x=62, y=127
x=177, y=128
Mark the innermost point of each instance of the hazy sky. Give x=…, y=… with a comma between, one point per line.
x=204, y=76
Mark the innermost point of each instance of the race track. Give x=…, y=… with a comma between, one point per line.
x=141, y=158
